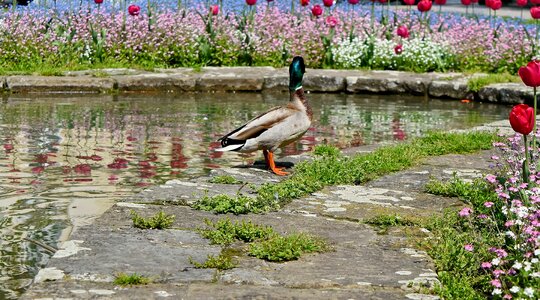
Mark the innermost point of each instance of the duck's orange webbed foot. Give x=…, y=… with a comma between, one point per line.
x=269, y=158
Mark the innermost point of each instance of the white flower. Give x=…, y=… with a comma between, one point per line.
x=529, y=292
x=510, y=234
x=496, y=292
x=537, y=252
x=496, y=261
x=527, y=266
x=517, y=266
x=535, y=275
x=535, y=260
x=515, y=289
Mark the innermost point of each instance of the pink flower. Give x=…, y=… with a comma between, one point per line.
x=468, y=247
x=491, y=178
x=496, y=283
x=251, y=2
x=509, y=223
x=214, y=9
x=403, y=32
x=398, y=49
x=134, y=10
x=328, y=3
x=465, y=212
x=331, y=21
x=488, y=204
x=317, y=10
x=486, y=265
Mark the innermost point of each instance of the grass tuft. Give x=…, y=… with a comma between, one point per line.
x=225, y=179
x=158, y=221
x=385, y=221
x=285, y=248
x=131, y=279
x=225, y=232
x=476, y=83
x=220, y=262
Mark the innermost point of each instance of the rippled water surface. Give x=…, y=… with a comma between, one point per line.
x=64, y=160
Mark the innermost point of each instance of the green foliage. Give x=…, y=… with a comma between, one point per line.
x=225, y=179
x=158, y=221
x=241, y=204
x=326, y=150
x=476, y=83
x=225, y=232
x=385, y=221
x=476, y=192
x=285, y=248
x=220, y=262
x=132, y=279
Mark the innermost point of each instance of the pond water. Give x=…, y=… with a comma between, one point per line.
x=64, y=160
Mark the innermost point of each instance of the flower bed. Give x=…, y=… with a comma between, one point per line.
x=170, y=34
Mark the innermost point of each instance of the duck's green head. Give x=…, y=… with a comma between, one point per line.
x=296, y=73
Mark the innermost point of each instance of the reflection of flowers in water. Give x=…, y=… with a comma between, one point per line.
x=178, y=160
x=398, y=133
x=83, y=169
x=118, y=163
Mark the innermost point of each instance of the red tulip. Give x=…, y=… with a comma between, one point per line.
x=489, y=3
x=535, y=2
x=304, y=2
x=468, y=2
x=214, y=9
x=522, y=118
x=251, y=2
x=403, y=32
x=328, y=3
x=521, y=3
x=398, y=49
x=331, y=21
x=98, y=1
x=409, y=2
x=424, y=5
x=440, y=2
x=317, y=10
x=354, y=2
x=531, y=73
x=496, y=4
x=134, y=10
x=535, y=12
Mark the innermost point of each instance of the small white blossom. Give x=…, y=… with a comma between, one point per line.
x=535, y=260
x=514, y=289
x=517, y=266
x=527, y=267
x=496, y=292
x=496, y=261
x=529, y=292
x=537, y=252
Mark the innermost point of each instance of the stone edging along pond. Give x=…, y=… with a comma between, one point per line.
x=262, y=79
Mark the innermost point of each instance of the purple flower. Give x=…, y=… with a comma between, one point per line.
x=468, y=247
x=488, y=204
x=486, y=265
x=491, y=178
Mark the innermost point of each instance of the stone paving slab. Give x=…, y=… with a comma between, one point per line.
x=266, y=79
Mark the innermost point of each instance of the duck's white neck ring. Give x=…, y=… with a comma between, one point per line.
x=298, y=88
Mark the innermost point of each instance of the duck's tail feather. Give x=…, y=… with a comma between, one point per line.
x=228, y=144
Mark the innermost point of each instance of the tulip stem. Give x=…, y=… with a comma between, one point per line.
x=534, y=126
x=525, y=166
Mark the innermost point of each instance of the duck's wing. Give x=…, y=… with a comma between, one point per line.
x=235, y=139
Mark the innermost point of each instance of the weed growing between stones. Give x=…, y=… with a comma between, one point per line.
x=220, y=262
x=225, y=179
x=385, y=221
x=333, y=169
x=265, y=243
x=158, y=221
x=225, y=232
x=285, y=248
x=131, y=279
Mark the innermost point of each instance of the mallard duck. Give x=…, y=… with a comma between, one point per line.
x=278, y=126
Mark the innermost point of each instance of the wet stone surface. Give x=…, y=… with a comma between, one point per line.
x=363, y=264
